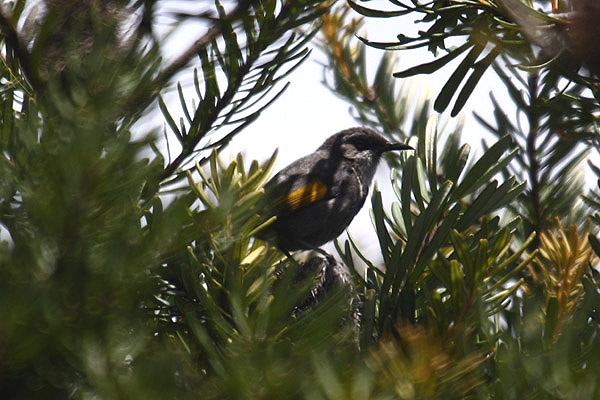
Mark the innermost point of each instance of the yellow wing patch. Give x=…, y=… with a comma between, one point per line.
x=307, y=194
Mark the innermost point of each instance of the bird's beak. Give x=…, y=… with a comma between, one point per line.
x=397, y=146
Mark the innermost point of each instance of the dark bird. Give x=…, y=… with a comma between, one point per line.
x=316, y=197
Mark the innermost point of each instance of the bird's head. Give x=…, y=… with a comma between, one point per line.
x=361, y=144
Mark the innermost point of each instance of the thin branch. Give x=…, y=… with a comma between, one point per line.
x=534, y=167
x=13, y=41
x=163, y=77
x=213, y=32
x=227, y=96
x=225, y=99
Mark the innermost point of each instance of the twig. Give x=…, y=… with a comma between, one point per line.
x=164, y=76
x=534, y=166
x=212, y=33
x=13, y=41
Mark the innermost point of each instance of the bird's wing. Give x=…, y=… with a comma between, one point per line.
x=313, y=191
x=302, y=183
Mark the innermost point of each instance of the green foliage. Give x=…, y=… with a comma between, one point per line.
x=552, y=157
x=129, y=272
x=239, y=73
x=519, y=31
x=427, y=219
x=483, y=267
x=88, y=241
x=231, y=300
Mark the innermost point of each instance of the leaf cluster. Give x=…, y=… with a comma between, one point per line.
x=481, y=33
x=90, y=242
x=239, y=75
x=501, y=289
x=231, y=301
x=112, y=286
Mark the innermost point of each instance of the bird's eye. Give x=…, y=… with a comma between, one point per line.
x=360, y=144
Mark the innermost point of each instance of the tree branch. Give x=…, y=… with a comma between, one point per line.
x=534, y=166
x=13, y=41
x=212, y=33
x=146, y=94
